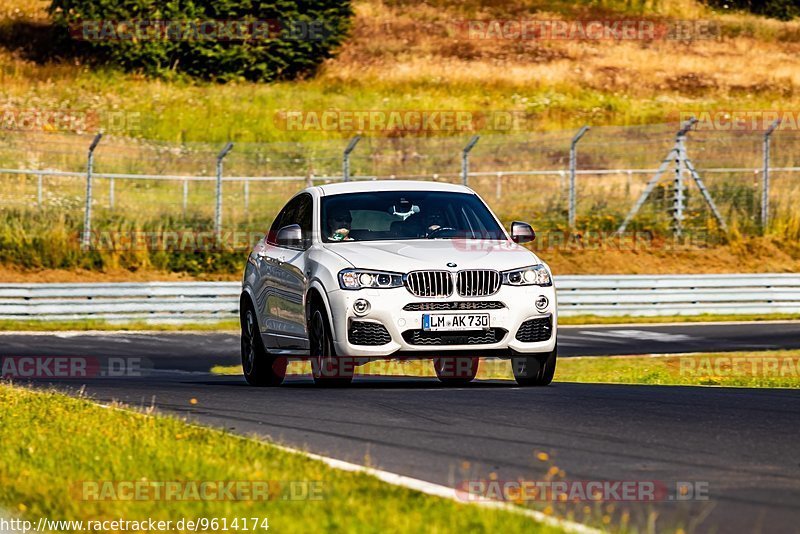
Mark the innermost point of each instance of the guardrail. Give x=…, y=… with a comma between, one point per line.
x=603, y=295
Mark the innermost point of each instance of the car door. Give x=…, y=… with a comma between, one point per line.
x=269, y=281
x=282, y=273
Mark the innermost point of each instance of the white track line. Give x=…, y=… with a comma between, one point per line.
x=676, y=323
x=429, y=488
x=444, y=492
x=95, y=333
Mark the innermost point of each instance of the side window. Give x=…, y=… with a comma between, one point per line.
x=283, y=219
x=297, y=211
x=304, y=218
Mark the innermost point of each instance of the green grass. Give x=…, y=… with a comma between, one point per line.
x=702, y=318
x=617, y=88
x=249, y=112
x=93, y=324
x=53, y=444
x=764, y=369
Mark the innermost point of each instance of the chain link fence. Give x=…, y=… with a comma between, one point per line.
x=523, y=175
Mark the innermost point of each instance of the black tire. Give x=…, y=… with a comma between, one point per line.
x=326, y=368
x=456, y=370
x=260, y=368
x=535, y=370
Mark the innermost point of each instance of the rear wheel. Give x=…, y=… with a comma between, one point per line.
x=259, y=366
x=456, y=370
x=326, y=368
x=536, y=369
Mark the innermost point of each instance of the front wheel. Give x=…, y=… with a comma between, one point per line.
x=326, y=368
x=456, y=370
x=260, y=368
x=536, y=369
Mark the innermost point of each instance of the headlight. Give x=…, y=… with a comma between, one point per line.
x=536, y=275
x=360, y=278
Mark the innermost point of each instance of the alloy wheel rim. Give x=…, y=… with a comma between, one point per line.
x=250, y=336
x=318, y=330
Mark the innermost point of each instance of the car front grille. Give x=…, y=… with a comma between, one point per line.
x=477, y=282
x=454, y=306
x=469, y=283
x=367, y=333
x=430, y=283
x=485, y=337
x=534, y=330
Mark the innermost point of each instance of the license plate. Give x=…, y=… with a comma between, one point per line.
x=455, y=321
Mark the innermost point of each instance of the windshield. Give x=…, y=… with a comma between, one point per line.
x=391, y=215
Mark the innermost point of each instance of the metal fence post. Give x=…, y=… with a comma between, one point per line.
x=678, y=188
x=185, y=195
x=465, y=159
x=765, y=187
x=87, y=216
x=218, y=211
x=39, y=191
x=572, y=166
x=246, y=196
x=681, y=166
x=498, y=192
x=111, y=193
x=685, y=127
x=346, y=157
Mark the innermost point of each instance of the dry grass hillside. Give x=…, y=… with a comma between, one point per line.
x=414, y=55
x=406, y=54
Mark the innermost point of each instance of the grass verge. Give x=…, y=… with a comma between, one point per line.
x=96, y=444
x=706, y=317
x=422, y=64
x=764, y=369
x=90, y=324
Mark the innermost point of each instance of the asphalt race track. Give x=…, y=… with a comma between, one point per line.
x=199, y=351
x=739, y=445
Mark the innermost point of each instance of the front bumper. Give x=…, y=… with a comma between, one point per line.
x=386, y=308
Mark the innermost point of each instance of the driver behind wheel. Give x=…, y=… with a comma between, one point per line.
x=338, y=225
x=435, y=221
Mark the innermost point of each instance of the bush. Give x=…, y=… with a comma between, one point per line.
x=217, y=40
x=778, y=9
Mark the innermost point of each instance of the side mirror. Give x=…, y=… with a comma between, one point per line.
x=522, y=232
x=290, y=236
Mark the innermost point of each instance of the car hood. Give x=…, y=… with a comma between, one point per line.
x=405, y=256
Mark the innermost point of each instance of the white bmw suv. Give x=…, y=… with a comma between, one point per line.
x=358, y=271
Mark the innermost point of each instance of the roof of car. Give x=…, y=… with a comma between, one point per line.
x=369, y=186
